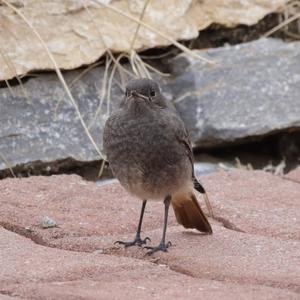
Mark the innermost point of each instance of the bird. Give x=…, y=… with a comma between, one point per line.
x=149, y=151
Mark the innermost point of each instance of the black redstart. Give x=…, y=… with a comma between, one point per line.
x=149, y=151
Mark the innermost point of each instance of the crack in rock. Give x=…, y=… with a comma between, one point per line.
x=9, y=293
x=239, y=280
x=161, y=261
x=25, y=233
x=34, y=237
x=181, y=270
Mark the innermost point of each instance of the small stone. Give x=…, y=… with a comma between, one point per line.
x=99, y=251
x=47, y=222
x=28, y=228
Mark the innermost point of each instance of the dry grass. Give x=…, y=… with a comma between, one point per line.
x=8, y=165
x=59, y=74
x=10, y=64
x=74, y=81
x=290, y=15
x=239, y=165
x=13, y=70
x=156, y=31
x=103, y=91
x=276, y=170
x=138, y=25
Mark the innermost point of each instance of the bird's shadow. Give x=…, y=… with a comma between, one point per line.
x=197, y=233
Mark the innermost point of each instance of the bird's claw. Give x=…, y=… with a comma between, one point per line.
x=161, y=247
x=136, y=242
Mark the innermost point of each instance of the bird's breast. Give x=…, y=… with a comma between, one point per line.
x=146, y=158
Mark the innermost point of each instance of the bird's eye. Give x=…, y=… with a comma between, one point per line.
x=152, y=93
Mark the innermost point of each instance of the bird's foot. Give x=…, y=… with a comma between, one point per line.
x=161, y=247
x=136, y=242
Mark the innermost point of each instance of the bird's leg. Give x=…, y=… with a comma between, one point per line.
x=137, y=241
x=163, y=246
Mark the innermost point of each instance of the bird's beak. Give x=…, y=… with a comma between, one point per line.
x=136, y=95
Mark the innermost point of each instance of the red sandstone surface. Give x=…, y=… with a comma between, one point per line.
x=254, y=252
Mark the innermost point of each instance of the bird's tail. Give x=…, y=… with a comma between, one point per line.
x=189, y=213
x=200, y=189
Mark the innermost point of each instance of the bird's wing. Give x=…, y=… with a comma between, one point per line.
x=182, y=136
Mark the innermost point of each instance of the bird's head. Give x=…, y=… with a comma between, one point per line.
x=144, y=92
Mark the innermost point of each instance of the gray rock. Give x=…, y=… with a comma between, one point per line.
x=253, y=90
x=36, y=128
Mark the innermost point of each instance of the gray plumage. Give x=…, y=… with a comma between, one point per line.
x=149, y=150
x=145, y=145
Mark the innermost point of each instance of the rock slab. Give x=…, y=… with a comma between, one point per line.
x=252, y=91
